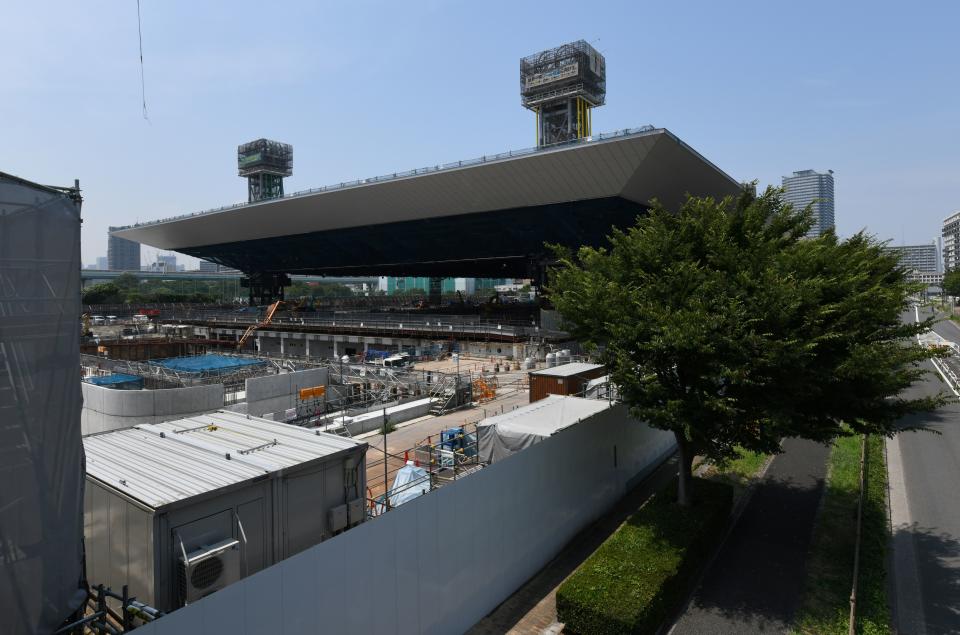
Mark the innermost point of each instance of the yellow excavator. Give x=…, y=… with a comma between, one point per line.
x=259, y=325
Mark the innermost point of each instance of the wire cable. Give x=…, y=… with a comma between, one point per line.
x=143, y=90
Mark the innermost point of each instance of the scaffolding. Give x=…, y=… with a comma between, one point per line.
x=562, y=85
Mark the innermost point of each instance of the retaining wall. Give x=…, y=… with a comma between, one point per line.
x=110, y=409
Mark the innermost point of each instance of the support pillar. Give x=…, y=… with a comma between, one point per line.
x=283, y=340
x=265, y=288
x=436, y=291
x=335, y=352
x=306, y=345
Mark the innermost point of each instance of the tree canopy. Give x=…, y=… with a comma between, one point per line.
x=951, y=283
x=723, y=324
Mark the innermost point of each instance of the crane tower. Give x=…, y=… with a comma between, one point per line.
x=562, y=85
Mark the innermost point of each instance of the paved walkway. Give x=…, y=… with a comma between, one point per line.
x=755, y=582
x=532, y=609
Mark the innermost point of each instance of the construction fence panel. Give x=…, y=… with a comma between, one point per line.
x=441, y=562
x=41, y=455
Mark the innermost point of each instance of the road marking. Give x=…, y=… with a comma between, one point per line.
x=946, y=380
x=908, y=597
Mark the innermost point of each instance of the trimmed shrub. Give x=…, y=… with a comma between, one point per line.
x=644, y=570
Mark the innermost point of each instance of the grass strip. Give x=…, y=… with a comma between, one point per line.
x=646, y=569
x=829, y=575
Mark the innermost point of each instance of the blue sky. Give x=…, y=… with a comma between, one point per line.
x=870, y=90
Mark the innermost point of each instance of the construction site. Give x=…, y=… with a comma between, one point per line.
x=226, y=440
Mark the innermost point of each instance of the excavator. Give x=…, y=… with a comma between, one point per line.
x=271, y=310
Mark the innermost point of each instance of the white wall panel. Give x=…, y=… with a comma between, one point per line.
x=443, y=561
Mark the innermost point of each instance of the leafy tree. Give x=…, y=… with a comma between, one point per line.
x=103, y=293
x=951, y=283
x=722, y=324
x=127, y=282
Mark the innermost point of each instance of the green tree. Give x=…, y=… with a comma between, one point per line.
x=951, y=283
x=103, y=293
x=722, y=324
x=127, y=282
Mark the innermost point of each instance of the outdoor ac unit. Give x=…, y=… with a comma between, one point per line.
x=355, y=511
x=337, y=517
x=209, y=569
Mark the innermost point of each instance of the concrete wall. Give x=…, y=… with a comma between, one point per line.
x=373, y=420
x=109, y=409
x=441, y=562
x=276, y=393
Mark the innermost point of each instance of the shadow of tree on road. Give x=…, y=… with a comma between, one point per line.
x=938, y=570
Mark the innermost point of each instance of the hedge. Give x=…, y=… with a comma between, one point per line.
x=641, y=573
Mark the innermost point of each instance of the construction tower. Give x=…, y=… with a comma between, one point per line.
x=264, y=163
x=562, y=85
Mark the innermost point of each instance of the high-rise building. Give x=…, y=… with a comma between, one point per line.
x=918, y=258
x=102, y=263
x=951, y=242
x=166, y=264
x=208, y=267
x=122, y=254
x=808, y=187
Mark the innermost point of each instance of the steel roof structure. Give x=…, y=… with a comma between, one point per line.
x=159, y=464
x=489, y=217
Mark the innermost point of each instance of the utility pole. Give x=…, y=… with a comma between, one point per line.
x=386, y=483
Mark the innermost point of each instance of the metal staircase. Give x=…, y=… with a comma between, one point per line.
x=443, y=394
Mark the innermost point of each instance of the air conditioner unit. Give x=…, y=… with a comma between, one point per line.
x=209, y=569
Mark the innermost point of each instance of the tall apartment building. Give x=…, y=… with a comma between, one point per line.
x=918, y=258
x=811, y=187
x=122, y=254
x=951, y=242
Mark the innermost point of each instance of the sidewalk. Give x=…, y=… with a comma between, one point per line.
x=532, y=609
x=755, y=582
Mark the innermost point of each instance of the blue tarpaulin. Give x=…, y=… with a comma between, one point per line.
x=117, y=380
x=411, y=482
x=207, y=363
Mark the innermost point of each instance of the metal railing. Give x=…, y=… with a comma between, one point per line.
x=626, y=132
x=433, y=324
x=444, y=457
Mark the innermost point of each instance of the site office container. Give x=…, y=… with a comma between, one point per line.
x=566, y=379
x=272, y=516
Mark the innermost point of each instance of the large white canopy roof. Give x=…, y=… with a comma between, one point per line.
x=634, y=165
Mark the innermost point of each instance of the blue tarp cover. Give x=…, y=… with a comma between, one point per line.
x=411, y=482
x=117, y=378
x=206, y=363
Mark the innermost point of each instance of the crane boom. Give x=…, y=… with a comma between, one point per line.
x=259, y=325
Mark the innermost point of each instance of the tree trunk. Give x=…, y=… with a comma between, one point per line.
x=686, y=470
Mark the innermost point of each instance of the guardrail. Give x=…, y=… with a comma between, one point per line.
x=626, y=132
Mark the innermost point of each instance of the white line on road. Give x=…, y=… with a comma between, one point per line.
x=946, y=380
x=908, y=596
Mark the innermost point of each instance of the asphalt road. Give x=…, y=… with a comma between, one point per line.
x=925, y=513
